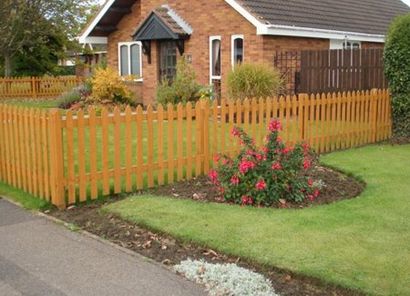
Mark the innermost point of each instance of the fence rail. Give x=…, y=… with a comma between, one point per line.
x=36, y=87
x=79, y=156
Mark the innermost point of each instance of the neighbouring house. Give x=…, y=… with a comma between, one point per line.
x=146, y=37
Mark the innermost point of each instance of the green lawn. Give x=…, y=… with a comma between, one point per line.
x=26, y=200
x=362, y=243
x=32, y=103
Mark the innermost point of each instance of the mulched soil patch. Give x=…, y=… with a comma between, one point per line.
x=337, y=186
x=169, y=251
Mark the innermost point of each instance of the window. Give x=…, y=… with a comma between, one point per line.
x=215, y=57
x=237, y=49
x=344, y=44
x=130, y=59
x=351, y=45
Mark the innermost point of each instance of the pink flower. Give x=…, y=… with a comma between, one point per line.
x=316, y=193
x=217, y=157
x=311, y=197
x=250, y=152
x=310, y=182
x=275, y=125
x=279, y=140
x=265, y=150
x=247, y=200
x=276, y=166
x=307, y=163
x=235, y=180
x=213, y=175
x=286, y=150
x=259, y=156
x=225, y=161
x=305, y=147
x=260, y=185
x=235, y=132
x=245, y=166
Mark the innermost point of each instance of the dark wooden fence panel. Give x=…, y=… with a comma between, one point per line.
x=322, y=71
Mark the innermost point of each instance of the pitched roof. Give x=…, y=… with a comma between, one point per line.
x=162, y=23
x=360, y=16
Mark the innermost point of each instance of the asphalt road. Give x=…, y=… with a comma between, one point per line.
x=39, y=257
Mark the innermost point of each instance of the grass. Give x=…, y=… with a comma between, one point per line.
x=362, y=243
x=33, y=103
x=26, y=200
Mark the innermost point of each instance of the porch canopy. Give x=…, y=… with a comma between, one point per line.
x=163, y=23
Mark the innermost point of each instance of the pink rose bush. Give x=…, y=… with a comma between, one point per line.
x=261, y=177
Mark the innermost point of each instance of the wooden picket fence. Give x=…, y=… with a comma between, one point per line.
x=37, y=87
x=71, y=157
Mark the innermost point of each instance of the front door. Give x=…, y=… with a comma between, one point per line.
x=167, y=60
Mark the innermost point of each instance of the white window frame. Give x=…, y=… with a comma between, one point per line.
x=339, y=44
x=233, y=38
x=213, y=77
x=129, y=44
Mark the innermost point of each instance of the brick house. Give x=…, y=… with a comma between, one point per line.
x=146, y=37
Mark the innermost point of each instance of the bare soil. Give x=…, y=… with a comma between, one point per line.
x=337, y=186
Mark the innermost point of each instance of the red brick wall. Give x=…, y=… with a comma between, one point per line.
x=207, y=18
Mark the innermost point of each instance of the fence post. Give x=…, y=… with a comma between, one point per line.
x=56, y=159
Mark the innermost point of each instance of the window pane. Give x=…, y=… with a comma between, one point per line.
x=216, y=57
x=135, y=60
x=238, y=50
x=124, y=60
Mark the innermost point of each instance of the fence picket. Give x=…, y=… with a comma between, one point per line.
x=105, y=152
x=189, y=141
x=160, y=136
x=70, y=157
x=117, y=150
x=180, y=141
x=81, y=157
x=93, y=153
x=150, y=147
x=128, y=149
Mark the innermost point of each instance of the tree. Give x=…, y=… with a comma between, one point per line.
x=29, y=24
x=397, y=70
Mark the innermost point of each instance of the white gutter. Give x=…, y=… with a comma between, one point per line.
x=281, y=30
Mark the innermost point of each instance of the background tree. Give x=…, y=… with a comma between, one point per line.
x=28, y=26
x=397, y=70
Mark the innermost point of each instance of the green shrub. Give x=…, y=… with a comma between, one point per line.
x=254, y=81
x=397, y=70
x=263, y=177
x=183, y=89
x=107, y=87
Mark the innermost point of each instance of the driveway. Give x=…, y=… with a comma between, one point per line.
x=39, y=257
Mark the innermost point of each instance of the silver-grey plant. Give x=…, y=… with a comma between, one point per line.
x=225, y=279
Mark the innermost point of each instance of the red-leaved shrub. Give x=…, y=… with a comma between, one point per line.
x=262, y=177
